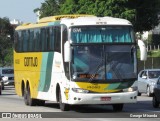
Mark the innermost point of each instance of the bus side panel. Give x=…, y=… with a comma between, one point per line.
x=53, y=64
x=27, y=68
x=46, y=71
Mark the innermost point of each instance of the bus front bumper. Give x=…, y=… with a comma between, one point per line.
x=98, y=98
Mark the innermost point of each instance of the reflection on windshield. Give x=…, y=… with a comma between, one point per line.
x=101, y=62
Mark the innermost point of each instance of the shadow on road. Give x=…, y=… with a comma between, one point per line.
x=140, y=106
x=52, y=105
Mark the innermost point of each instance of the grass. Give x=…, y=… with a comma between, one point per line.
x=153, y=53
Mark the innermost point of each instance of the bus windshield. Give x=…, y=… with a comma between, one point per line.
x=102, y=34
x=103, y=62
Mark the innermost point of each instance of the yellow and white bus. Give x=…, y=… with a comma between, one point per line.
x=76, y=60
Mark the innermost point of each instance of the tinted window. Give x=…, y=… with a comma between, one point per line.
x=153, y=74
x=158, y=82
x=38, y=39
x=57, y=36
x=7, y=71
x=143, y=73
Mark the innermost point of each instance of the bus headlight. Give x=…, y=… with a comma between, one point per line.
x=130, y=89
x=79, y=90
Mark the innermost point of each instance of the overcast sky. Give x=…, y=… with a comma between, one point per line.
x=20, y=9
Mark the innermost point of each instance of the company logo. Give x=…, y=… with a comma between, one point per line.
x=31, y=61
x=6, y=115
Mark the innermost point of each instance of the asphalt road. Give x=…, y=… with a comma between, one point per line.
x=11, y=103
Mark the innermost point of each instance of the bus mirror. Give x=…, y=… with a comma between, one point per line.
x=67, y=52
x=143, y=50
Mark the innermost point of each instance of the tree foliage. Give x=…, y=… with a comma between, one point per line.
x=142, y=13
x=6, y=42
x=49, y=8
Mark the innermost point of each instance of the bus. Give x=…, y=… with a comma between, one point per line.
x=77, y=60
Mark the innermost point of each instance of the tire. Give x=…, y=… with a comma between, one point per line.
x=27, y=98
x=63, y=106
x=139, y=94
x=117, y=107
x=149, y=94
x=155, y=103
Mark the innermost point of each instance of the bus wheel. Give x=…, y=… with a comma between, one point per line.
x=117, y=107
x=27, y=98
x=63, y=106
x=139, y=94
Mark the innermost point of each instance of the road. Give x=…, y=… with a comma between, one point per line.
x=10, y=102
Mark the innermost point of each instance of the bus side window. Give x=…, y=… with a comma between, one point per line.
x=34, y=40
x=16, y=39
x=51, y=42
x=20, y=41
x=25, y=40
x=30, y=49
x=43, y=39
x=57, y=38
x=48, y=39
x=37, y=40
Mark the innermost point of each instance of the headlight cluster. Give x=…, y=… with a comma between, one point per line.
x=79, y=90
x=130, y=89
x=153, y=83
x=5, y=78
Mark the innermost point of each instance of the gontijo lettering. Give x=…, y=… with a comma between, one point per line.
x=31, y=61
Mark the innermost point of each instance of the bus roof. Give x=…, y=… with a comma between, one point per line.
x=95, y=21
x=46, y=20
x=59, y=17
x=73, y=20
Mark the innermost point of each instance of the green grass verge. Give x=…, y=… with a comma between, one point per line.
x=155, y=53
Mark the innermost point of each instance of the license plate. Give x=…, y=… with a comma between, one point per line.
x=105, y=98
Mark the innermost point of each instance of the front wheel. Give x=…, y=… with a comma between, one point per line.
x=155, y=103
x=63, y=106
x=139, y=94
x=117, y=107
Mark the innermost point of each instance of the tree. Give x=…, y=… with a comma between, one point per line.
x=49, y=8
x=146, y=14
x=69, y=7
x=6, y=41
x=142, y=13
